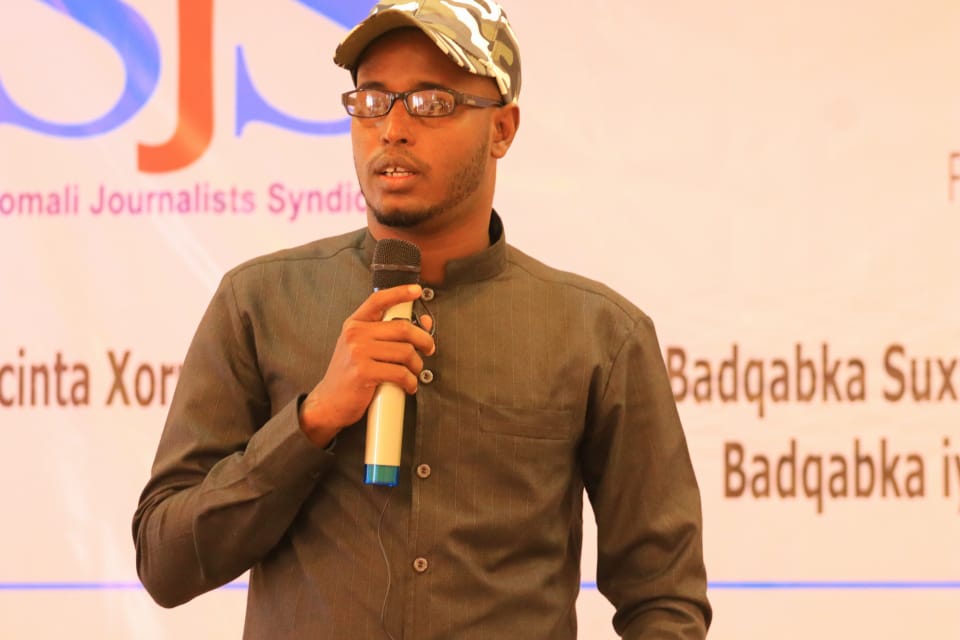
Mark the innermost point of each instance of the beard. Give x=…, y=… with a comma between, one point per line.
x=465, y=183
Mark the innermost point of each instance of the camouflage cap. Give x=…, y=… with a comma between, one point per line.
x=473, y=33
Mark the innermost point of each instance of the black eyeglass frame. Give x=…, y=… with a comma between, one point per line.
x=458, y=99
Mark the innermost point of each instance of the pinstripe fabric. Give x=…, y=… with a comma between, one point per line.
x=545, y=383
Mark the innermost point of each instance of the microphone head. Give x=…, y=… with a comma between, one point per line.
x=395, y=262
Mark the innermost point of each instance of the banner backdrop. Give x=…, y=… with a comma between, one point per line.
x=777, y=184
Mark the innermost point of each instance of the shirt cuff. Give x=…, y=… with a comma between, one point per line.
x=282, y=455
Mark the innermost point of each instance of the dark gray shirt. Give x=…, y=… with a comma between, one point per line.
x=543, y=383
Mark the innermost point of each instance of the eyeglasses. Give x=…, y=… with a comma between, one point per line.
x=422, y=103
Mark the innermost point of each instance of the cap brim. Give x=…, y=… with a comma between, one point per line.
x=352, y=47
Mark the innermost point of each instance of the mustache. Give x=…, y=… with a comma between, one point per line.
x=388, y=159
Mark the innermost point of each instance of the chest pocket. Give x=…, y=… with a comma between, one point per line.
x=540, y=424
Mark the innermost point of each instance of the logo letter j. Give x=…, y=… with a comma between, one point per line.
x=195, y=101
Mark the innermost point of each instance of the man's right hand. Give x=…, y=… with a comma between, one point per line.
x=368, y=352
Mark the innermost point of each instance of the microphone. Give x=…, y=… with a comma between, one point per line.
x=395, y=262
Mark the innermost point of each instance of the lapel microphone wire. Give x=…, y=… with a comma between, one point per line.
x=386, y=560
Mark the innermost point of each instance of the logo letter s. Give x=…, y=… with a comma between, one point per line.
x=252, y=107
x=114, y=22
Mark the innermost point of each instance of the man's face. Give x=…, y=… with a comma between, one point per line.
x=414, y=172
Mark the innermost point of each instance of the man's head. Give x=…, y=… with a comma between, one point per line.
x=475, y=34
x=428, y=127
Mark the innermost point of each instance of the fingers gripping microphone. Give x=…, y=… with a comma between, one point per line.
x=395, y=262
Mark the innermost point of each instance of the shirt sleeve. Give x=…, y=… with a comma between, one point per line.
x=641, y=484
x=230, y=473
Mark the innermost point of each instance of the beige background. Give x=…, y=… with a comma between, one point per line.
x=765, y=174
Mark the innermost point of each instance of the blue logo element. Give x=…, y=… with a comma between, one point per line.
x=133, y=40
x=129, y=34
x=252, y=107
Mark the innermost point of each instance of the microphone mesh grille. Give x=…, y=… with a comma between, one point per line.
x=395, y=262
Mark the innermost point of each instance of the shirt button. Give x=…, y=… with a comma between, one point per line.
x=426, y=376
x=424, y=471
x=427, y=294
x=420, y=565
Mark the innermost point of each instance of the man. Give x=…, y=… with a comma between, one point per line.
x=535, y=385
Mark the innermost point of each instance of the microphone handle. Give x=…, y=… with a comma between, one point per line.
x=385, y=421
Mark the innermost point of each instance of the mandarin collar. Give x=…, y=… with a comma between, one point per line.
x=473, y=268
